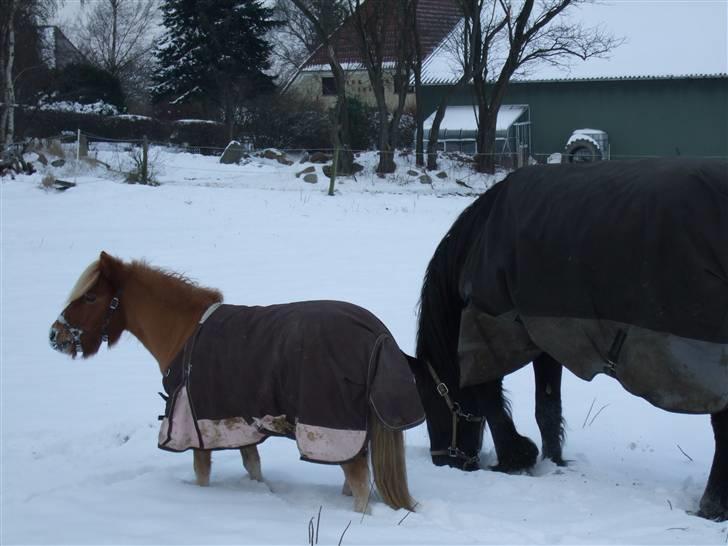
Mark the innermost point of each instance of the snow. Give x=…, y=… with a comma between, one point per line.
x=464, y=117
x=98, y=107
x=661, y=39
x=79, y=458
x=588, y=135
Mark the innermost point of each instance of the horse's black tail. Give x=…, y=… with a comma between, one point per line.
x=440, y=299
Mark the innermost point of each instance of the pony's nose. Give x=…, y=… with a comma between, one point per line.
x=53, y=334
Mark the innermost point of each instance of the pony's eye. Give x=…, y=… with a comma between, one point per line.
x=89, y=297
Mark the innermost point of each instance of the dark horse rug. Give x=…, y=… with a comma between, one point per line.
x=309, y=371
x=613, y=267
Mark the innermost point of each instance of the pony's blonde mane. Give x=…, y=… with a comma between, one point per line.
x=174, y=286
x=84, y=283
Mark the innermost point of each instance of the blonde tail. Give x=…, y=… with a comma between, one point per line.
x=388, y=464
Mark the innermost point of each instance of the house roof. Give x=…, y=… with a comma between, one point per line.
x=55, y=49
x=436, y=19
x=465, y=119
x=683, y=38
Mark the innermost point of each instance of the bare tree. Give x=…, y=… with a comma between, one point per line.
x=340, y=132
x=386, y=37
x=504, y=37
x=14, y=15
x=118, y=36
x=296, y=38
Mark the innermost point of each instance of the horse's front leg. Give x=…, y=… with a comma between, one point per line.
x=251, y=462
x=547, y=372
x=515, y=452
x=714, y=504
x=202, y=463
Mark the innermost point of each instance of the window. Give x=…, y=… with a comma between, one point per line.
x=328, y=86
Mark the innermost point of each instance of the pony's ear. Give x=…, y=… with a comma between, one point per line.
x=110, y=267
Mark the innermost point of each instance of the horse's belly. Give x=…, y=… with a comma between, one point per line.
x=671, y=372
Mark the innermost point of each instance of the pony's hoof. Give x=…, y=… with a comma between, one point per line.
x=558, y=461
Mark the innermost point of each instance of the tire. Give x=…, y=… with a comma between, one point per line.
x=582, y=151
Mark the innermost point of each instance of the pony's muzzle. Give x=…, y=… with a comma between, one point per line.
x=60, y=339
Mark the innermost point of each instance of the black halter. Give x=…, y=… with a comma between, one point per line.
x=457, y=413
x=77, y=332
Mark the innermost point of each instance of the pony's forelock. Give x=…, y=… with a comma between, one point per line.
x=87, y=279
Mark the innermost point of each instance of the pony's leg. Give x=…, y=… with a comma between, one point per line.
x=547, y=372
x=515, y=452
x=714, y=504
x=251, y=462
x=202, y=462
x=356, y=473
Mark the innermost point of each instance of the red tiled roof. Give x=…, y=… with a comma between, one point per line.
x=435, y=18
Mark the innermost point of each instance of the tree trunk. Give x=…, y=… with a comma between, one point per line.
x=439, y=115
x=419, y=120
x=7, y=124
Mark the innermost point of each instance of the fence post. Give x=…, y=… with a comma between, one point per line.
x=334, y=166
x=145, y=158
x=78, y=144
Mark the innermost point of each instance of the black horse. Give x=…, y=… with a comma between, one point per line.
x=615, y=267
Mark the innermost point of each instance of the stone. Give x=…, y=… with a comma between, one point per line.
x=356, y=168
x=425, y=179
x=42, y=159
x=58, y=163
x=283, y=160
x=233, y=153
x=307, y=170
x=304, y=158
x=270, y=153
x=412, y=173
x=311, y=178
x=319, y=157
x=327, y=170
x=441, y=174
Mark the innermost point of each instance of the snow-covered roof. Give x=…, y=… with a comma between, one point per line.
x=675, y=38
x=464, y=118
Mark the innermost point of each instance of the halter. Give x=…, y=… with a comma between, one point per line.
x=77, y=332
x=454, y=451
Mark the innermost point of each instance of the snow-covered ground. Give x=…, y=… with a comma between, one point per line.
x=79, y=458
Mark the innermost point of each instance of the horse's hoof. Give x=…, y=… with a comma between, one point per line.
x=558, y=461
x=713, y=509
x=520, y=458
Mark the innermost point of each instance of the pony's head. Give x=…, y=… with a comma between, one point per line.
x=92, y=313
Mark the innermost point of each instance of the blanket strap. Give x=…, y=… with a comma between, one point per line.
x=457, y=413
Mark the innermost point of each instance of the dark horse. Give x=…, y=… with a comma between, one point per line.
x=616, y=267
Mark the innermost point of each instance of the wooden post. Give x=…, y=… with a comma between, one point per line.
x=78, y=144
x=332, y=180
x=145, y=159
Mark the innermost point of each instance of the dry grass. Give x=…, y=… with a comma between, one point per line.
x=47, y=181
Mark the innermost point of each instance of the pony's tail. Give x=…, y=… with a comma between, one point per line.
x=388, y=465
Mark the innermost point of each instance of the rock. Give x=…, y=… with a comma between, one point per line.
x=284, y=161
x=327, y=170
x=58, y=163
x=311, y=178
x=461, y=183
x=304, y=158
x=319, y=157
x=233, y=153
x=307, y=170
x=42, y=159
x=441, y=174
x=272, y=153
x=356, y=168
x=425, y=179
x=412, y=173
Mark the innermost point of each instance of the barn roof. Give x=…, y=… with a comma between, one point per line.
x=436, y=19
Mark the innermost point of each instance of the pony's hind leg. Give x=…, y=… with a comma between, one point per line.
x=547, y=373
x=515, y=452
x=202, y=463
x=714, y=504
x=251, y=462
x=356, y=474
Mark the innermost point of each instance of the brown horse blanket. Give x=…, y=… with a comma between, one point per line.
x=617, y=267
x=308, y=371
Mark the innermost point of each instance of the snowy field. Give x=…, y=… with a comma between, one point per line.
x=79, y=458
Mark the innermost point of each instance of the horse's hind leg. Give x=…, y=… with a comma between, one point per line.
x=356, y=474
x=202, y=463
x=714, y=504
x=251, y=462
x=547, y=372
x=515, y=452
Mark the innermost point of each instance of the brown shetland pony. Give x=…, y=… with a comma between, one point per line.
x=162, y=310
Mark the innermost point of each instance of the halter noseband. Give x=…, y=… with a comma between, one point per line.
x=454, y=451
x=77, y=332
